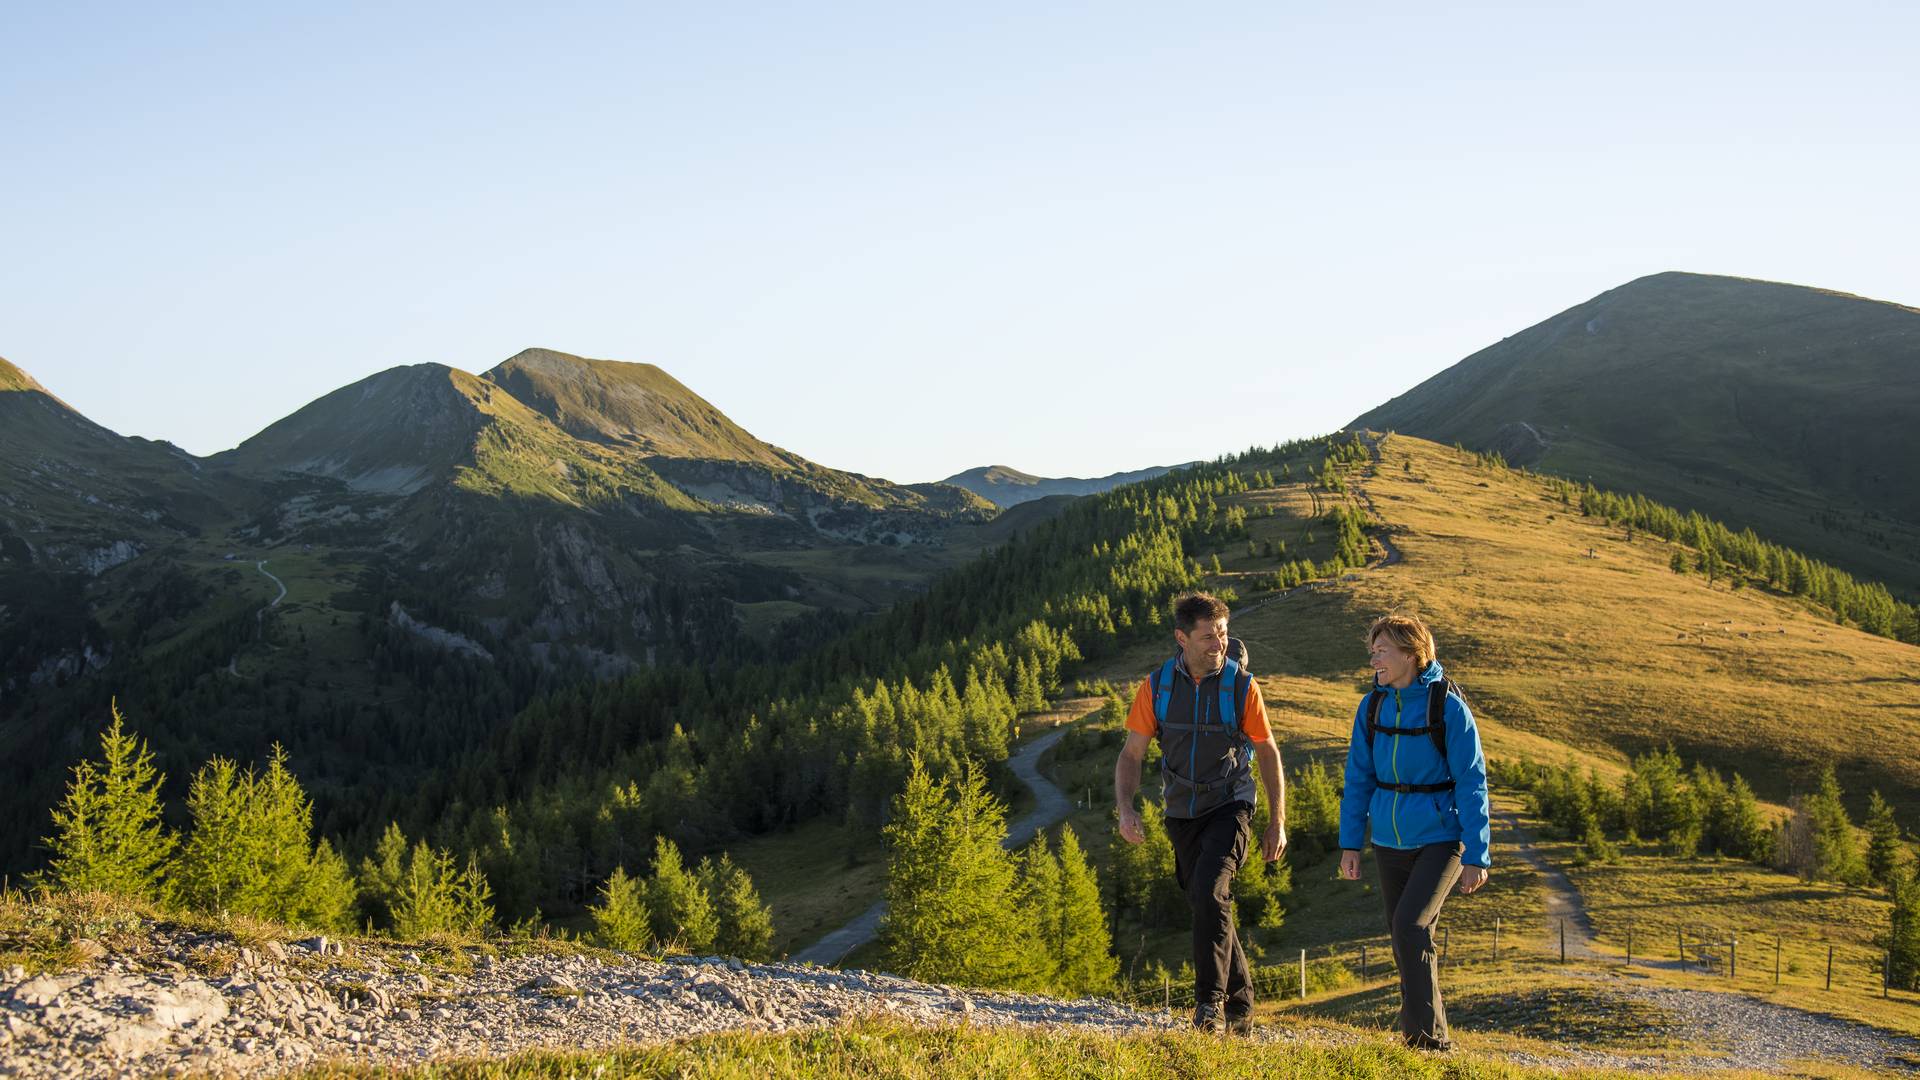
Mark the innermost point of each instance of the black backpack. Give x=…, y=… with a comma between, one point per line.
x=1435, y=729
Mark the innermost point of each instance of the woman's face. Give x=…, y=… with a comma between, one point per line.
x=1394, y=664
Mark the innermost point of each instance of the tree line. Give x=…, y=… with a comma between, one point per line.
x=1742, y=558
x=249, y=851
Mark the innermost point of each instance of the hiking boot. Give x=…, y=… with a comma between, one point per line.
x=1240, y=1023
x=1437, y=1046
x=1206, y=1018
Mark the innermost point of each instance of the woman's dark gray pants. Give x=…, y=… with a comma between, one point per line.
x=1415, y=882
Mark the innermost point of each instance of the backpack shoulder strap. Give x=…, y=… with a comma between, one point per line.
x=1162, y=682
x=1230, y=701
x=1374, y=697
x=1437, y=715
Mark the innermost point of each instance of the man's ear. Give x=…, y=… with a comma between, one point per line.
x=1180, y=638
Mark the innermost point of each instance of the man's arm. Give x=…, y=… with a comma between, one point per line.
x=1126, y=784
x=1274, y=842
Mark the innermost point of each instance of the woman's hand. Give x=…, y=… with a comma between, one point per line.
x=1350, y=865
x=1471, y=878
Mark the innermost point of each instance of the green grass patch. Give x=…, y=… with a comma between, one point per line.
x=873, y=1049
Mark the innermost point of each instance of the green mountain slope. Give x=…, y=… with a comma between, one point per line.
x=1784, y=408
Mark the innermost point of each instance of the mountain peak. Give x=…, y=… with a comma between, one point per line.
x=392, y=431
x=13, y=379
x=637, y=406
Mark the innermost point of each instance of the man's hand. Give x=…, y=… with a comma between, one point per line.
x=1274, y=843
x=1350, y=865
x=1131, y=829
x=1471, y=878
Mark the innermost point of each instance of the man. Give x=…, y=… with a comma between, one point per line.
x=1212, y=726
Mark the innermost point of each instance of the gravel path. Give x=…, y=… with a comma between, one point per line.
x=196, y=1003
x=1563, y=904
x=1761, y=1035
x=1751, y=1034
x=1050, y=805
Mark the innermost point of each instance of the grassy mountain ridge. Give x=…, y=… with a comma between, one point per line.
x=1784, y=408
x=630, y=405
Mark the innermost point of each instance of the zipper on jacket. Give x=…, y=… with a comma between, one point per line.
x=1396, y=765
x=1193, y=752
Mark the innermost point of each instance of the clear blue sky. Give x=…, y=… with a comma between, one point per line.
x=907, y=239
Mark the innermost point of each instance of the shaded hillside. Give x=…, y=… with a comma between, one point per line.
x=1784, y=408
x=1005, y=486
x=449, y=552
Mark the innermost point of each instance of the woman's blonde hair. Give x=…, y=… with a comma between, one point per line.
x=1407, y=632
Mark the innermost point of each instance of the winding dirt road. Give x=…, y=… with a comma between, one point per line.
x=1051, y=805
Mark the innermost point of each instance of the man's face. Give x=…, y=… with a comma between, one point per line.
x=1205, y=646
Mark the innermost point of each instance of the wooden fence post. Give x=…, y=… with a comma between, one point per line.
x=1776, y=960
x=1629, y=944
x=1446, y=944
x=1563, y=941
x=1733, y=955
x=1886, y=974
x=1496, y=939
x=1166, y=990
x=1303, y=974
x=1680, y=946
x=1365, y=971
x=1829, y=967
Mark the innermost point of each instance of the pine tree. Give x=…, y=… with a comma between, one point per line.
x=681, y=910
x=1903, y=939
x=1036, y=905
x=620, y=919
x=746, y=924
x=1086, y=964
x=216, y=862
x=108, y=835
x=1748, y=836
x=472, y=901
x=382, y=874
x=1883, y=842
x=435, y=897
x=248, y=850
x=1836, y=847
x=1678, y=562
x=327, y=897
x=424, y=903
x=950, y=885
x=1028, y=697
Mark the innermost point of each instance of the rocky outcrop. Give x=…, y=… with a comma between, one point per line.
x=199, y=1003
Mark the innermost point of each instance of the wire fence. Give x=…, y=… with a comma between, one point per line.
x=1746, y=959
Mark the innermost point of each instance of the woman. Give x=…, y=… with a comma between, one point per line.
x=1424, y=792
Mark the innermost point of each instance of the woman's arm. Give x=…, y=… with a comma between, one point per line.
x=1469, y=768
x=1360, y=782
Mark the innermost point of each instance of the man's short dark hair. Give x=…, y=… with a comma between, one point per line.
x=1195, y=608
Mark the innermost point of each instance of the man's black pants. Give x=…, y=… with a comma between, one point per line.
x=1207, y=853
x=1415, y=882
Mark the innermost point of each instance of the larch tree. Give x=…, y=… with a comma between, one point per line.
x=108, y=835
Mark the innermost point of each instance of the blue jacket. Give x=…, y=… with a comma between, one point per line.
x=1416, y=819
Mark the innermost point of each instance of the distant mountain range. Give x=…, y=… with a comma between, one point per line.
x=1004, y=486
x=1792, y=410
